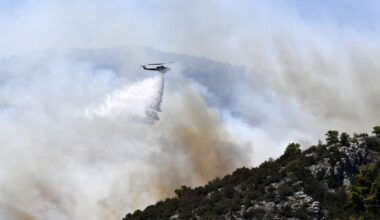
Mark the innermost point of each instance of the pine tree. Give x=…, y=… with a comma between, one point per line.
x=332, y=137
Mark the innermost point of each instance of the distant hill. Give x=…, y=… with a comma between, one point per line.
x=339, y=179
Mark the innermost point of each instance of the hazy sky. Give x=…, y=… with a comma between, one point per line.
x=169, y=24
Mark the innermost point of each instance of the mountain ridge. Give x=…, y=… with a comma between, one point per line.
x=339, y=179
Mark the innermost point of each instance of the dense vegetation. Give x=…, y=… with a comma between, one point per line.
x=339, y=179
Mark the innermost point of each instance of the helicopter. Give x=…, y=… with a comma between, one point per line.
x=160, y=67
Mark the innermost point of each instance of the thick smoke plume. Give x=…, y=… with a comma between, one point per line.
x=81, y=141
x=82, y=134
x=197, y=142
x=202, y=137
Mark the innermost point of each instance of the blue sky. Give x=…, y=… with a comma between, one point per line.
x=359, y=14
x=9, y=4
x=171, y=25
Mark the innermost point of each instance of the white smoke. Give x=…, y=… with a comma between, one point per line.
x=61, y=155
x=81, y=139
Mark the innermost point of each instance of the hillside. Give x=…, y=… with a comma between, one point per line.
x=339, y=179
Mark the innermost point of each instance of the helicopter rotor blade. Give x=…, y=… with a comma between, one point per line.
x=159, y=63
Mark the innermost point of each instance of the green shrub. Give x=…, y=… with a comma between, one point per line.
x=285, y=190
